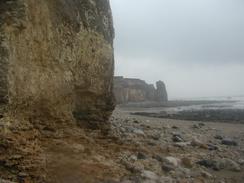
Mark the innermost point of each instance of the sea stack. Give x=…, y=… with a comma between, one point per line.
x=161, y=92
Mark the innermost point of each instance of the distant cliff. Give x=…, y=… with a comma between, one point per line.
x=135, y=90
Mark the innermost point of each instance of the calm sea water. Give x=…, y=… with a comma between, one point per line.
x=231, y=103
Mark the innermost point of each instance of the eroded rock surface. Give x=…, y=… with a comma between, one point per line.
x=57, y=57
x=135, y=90
x=56, y=69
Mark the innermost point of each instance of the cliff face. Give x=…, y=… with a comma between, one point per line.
x=56, y=64
x=57, y=57
x=136, y=90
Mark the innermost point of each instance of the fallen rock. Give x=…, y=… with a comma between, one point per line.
x=170, y=163
x=167, y=167
x=177, y=138
x=149, y=175
x=135, y=167
x=241, y=162
x=229, y=164
x=197, y=143
x=219, y=137
x=212, y=147
x=206, y=174
x=229, y=142
x=187, y=162
x=220, y=164
x=5, y=181
x=182, y=144
x=207, y=163
x=166, y=180
x=158, y=157
x=141, y=156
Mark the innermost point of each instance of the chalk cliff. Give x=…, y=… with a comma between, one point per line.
x=135, y=90
x=57, y=57
x=56, y=67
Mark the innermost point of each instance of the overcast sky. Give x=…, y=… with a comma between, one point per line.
x=195, y=46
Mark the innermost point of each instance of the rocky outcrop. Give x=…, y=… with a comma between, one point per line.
x=135, y=90
x=56, y=65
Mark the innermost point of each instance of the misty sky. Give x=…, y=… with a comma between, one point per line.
x=195, y=46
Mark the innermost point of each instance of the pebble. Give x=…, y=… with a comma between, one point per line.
x=219, y=137
x=206, y=174
x=241, y=162
x=220, y=164
x=177, y=138
x=149, y=175
x=158, y=157
x=168, y=167
x=229, y=142
x=156, y=136
x=212, y=147
x=182, y=144
x=187, y=162
x=165, y=180
x=197, y=143
x=175, y=162
x=141, y=156
x=5, y=181
x=206, y=163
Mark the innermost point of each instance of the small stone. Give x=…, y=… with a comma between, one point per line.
x=212, y=147
x=22, y=174
x=206, y=174
x=195, y=142
x=138, y=132
x=229, y=142
x=156, y=136
x=206, y=163
x=133, y=158
x=136, y=121
x=133, y=167
x=201, y=124
x=231, y=165
x=165, y=180
x=219, y=137
x=157, y=157
x=241, y=162
x=149, y=175
x=187, y=162
x=177, y=138
x=182, y=144
x=5, y=181
x=141, y=156
x=195, y=126
x=175, y=127
x=167, y=167
x=172, y=161
x=78, y=148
